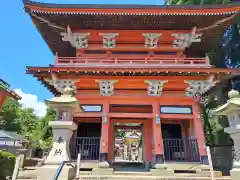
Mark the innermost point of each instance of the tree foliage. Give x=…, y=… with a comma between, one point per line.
x=214, y=126
x=25, y=122
x=45, y=130
x=10, y=117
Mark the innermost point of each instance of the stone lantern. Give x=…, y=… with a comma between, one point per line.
x=232, y=110
x=65, y=105
x=64, y=126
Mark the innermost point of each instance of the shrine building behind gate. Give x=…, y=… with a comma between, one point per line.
x=135, y=68
x=5, y=92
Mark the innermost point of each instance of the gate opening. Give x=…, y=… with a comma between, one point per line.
x=128, y=142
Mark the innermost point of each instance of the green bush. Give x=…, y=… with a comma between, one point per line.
x=7, y=161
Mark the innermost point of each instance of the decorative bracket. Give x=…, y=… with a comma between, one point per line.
x=109, y=40
x=155, y=87
x=199, y=87
x=151, y=39
x=106, y=87
x=185, y=40
x=77, y=40
x=61, y=84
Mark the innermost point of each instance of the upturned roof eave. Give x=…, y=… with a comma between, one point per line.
x=49, y=22
x=10, y=93
x=51, y=6
x=34, y=69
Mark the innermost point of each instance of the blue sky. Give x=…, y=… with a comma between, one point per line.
x=21, y=44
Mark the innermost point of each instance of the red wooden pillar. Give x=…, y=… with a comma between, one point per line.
x=104, y=142
x=157, y=135
x=199, y=133
x=111, y=141
x=148, y=140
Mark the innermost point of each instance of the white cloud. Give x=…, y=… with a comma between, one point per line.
x=31, y=101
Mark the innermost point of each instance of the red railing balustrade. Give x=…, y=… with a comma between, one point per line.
x=131, y=61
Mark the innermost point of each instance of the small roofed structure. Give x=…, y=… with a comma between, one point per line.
x=5, y=88
x=133, y=137
x=5, y=91
x=11, y=140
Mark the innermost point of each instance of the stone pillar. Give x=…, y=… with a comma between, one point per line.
x=22, y=153
x=199, y=134
x=62, y=133
x=235, y=135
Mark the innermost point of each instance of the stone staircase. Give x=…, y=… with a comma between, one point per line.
x=144, y=176
x=30, y=174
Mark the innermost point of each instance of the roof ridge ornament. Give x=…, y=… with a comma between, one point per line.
x=77, y=40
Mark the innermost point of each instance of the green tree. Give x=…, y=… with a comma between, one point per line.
x=28, y=123
x=24, y=122
x=10, y=116
x=37, y=130
x=44, y=131
x=214, y=126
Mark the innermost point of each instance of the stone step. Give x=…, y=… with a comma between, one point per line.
x=28, y=173
x=140, y=177
x=149, y=176
x=132, y=173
